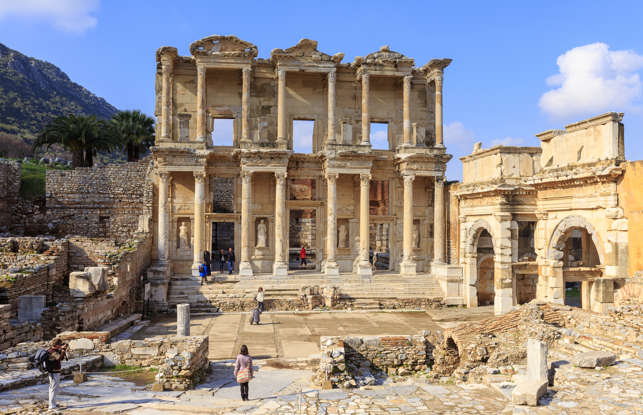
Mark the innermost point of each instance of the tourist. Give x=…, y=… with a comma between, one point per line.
x=57, y=353
x=243, y=371
x=202, y=273
x=231, y=260
x=222, y=260
x=302, y=256
x=259, y=299
x=207, y=262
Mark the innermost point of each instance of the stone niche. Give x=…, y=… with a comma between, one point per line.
x=263, y=257
x=183, y=237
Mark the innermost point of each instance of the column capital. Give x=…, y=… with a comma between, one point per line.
x=332, y=75
x=164, y=175
x=407, y=78
x=439, y=179
x=246, y=70
x=332, y=176
x=246, y=175
x=364, y=76
x=281, y=74
x=280, y=176
x=408, y=177
x=199, y=176
x=364, y=178
x=200, y=69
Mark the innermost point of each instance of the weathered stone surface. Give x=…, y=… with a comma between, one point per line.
x=528, y=392
x=30, y=307
x=594, y=359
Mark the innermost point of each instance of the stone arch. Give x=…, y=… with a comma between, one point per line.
x=474, y=232
x=557, y=239
x=470, y=260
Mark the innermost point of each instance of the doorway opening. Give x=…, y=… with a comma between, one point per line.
x=485, y=254
x=573, y=294
x=379, y=254
x=302, y=234
x=222, y=238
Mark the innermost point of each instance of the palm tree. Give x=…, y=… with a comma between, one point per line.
x=82, y=135
x=134, y=131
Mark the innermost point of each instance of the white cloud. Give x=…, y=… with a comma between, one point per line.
x=74, y=16
x=456, y=133
x=593, y=79
x=379, y=136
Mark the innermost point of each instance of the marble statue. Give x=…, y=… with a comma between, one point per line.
x=343, y=236
x=262, y=234
x=184, y=238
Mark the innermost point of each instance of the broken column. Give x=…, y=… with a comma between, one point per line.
x=183, y=319
x=534, y=385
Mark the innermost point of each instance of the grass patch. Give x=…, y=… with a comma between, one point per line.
x=32, y=179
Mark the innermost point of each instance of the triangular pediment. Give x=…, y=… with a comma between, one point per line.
x=305, y=51
x=386, y=56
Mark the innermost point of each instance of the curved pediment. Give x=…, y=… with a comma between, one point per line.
x=386, y=56
x=229, y=46
x=305, y=51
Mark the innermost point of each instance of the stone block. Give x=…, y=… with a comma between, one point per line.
x=594, y=359
x=30, y=307
x=98, y=277
x=537, y=367
x=81, y=345
x=111, y=359
x=603, y=290
x=528, y=391
x=80, y=284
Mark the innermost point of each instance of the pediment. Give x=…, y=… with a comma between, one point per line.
x=385, y=57
x=305, y=51
x=224, y=46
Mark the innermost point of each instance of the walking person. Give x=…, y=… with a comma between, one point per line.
x=243, y=371
x=202, y=273
x=57, y=353
x=231, y=260
x=259, y=299
x=302, y=256
x=208, y=262
x=222, y=260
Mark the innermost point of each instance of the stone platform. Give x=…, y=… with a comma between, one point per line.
x=235, y=293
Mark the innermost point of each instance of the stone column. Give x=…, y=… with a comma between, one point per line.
x=366, y=121
x=164, y=217
x=331, y=267
x=408, y=266
x=502, y=268
x=199, y=221
x=438, y=111
x=245, y=101
x=331, y=106
x=406, y=107
x=245, y=269
x=183, y=319
x=280, y=267
x=438, y=221
x=364, y=267
x=201, y=128
x=167, y=63
x=281, y=108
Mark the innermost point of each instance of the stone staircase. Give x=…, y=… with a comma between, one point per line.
x=386, y=288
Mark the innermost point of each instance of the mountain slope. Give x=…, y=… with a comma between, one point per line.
x=33, y=92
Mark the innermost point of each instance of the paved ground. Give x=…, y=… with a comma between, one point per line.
x=296, y=335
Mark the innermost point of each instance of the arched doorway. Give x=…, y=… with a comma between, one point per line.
x=485, y=269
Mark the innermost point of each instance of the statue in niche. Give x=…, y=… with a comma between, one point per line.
x=262, y=234
x=416, y=235
x=343, y=236
x=184, y=236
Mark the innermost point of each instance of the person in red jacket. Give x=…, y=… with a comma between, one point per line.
x=302, y=256
x=57, y=353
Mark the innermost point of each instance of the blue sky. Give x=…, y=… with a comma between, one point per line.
x=504, y=85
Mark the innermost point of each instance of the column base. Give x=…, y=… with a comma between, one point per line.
x=195, y=269
x=364, y=270
x=280, y=269
x=502, y=301
x=331, y=268
x=408, y=268
x=245, y=269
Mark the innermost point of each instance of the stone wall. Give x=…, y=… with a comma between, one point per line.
x=9, y=192
x=13, y=333
x=109, y=201
x=631, y=199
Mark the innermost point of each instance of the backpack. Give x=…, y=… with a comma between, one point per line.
x=41, y=360
x=201, y=269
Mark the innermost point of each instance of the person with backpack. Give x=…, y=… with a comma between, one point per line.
x=202, y=273
x=259, y=299
x=56, y=353
x=206, y=262
x=243, y=371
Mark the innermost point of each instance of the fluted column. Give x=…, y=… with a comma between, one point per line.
x=201, y=128
x=199, y=221
x=366, y=121
x=280, y=267
x=406, y=109
x=281, y=108
x=438, y=221
x=163, y=218
x=245, y=269
x=245, y=101
x=167, y=67
x=331, y=106
x=438, y=111
x=364, y=266
x=408, y=265
x=331, y=266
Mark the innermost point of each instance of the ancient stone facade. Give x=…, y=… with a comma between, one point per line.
x=112, y=201
x=544, y=222
x=354, y=207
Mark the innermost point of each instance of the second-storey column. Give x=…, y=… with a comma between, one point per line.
x=281, y=108
x=406, y=109
x=245, y=102
x=199, y=221
x=201, y=128
x=331, y=267
x=364, y=266
x=280, y=267
x=245, y=268
x=408, y=266
x=438, y=221
x=331, y=107
x=167, y=63
x=163, y=218
x=366, y=121
x=438, y=111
